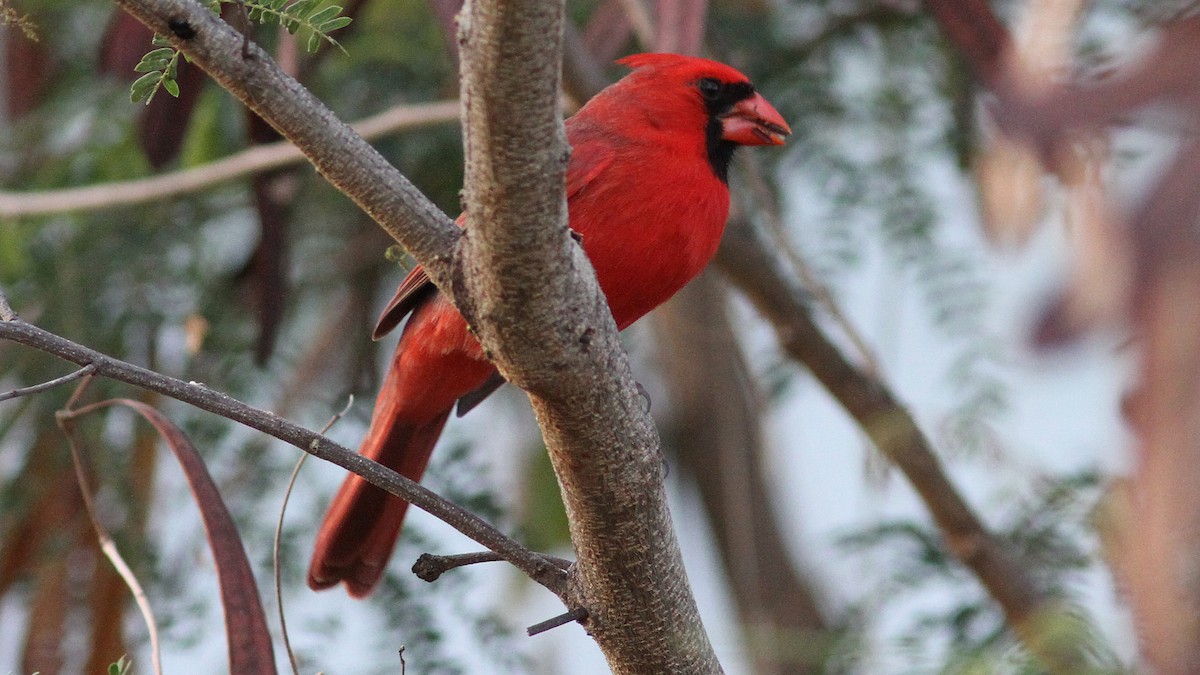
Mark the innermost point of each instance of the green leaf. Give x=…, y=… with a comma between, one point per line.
x=146, y=66
x=120, y=667
x=314, y=41
x=301, y=9
x=155, y=60
x=166, y=54
x=334, y=24
x=324, y=15
x=172, y=87
x=144, y=87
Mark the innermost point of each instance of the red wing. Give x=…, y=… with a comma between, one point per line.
x=589, y=158
x=415, y=288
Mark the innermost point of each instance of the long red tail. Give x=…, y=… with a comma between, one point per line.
x=436, y=363
x=361, y=527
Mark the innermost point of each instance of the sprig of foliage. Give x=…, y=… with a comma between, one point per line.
x=1051, y=530
x=161, y=70
x=306, y=14
x=122, y=666
x=160, y=66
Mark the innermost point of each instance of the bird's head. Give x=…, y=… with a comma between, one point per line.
x=696, y=95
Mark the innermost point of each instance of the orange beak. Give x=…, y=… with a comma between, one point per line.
x=753, y=121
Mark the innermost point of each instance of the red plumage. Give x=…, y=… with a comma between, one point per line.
x=646, y=189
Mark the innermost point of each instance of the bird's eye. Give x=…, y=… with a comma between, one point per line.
x=710, y=88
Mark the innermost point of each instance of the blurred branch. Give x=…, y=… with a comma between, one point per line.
x=348, y=162
x=714, y=427
x=607, y=31
x=768, y=201
x=403, y=117
x=680, y=26
x=200, y=396
x=639, y=19
x=749, y=260
x=978, y=35
x=1158, y=239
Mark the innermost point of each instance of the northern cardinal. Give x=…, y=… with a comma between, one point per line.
x=646, y=189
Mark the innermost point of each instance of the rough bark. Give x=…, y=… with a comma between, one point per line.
x=542, y=318
x=528, y=291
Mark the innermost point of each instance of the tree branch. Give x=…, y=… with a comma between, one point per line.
x=14, y=329
x=746, y=257
x=39, y=388
x=528, y=291
x=430, y=567
x=543, y=320
x=234, y=167
x=340, y=155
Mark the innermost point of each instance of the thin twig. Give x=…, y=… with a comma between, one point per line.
x=537, y=568
x=287, y=643
x=577, y=614
x=430, y=567
x=768, y=201
x=39, y=388
x=66, y=421
x=287, y=494
x=234, y=167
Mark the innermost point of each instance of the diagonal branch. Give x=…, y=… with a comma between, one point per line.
x=559, y=343
x=14, y=329
x=340, y=155
x=746, y=257
x=977, y=33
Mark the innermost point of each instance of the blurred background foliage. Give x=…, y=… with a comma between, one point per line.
x=886, y=127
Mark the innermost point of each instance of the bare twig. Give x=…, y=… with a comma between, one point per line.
x=248, y=162
x=194, y=393
x=287, y=494
x=39, y=388
x=66, y=421
x=768, y=201
x=577, y=614
x=430, y=567
x=287, y=642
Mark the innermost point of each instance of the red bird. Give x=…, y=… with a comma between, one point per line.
x=646, y=189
